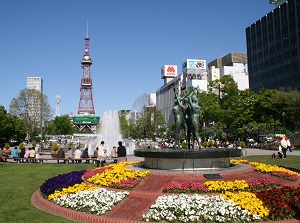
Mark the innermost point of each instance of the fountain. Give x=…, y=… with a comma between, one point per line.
x=109, y=132
x=186, y=112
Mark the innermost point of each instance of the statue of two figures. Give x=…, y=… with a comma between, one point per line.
x=186, y=111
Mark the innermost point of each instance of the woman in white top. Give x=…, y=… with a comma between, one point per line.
x=102, y=154
x=77, y=155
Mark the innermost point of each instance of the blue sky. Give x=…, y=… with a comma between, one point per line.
x=130, y=42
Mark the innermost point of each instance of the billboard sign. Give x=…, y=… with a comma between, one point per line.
x=195, y=64
x=169, y=71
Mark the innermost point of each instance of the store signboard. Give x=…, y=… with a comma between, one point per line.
x=194, y=63
x=169, y=71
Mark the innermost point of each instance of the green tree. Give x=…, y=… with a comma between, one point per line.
x=124, y=125
x=32, y=107
x=11, y=127
x=61, y=125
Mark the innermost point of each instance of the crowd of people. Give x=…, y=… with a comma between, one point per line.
x=24, y=153
x=74, y=155
x=100, y=153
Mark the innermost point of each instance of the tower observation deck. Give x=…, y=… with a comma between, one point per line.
x=86, y=119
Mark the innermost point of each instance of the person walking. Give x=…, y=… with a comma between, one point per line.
x=121, y=153
x=283, y=144
x=288, y=142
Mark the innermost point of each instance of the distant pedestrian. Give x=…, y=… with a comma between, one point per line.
x=283, y=144
x=288, y=142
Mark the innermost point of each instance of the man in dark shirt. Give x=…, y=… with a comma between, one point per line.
x=121, y=153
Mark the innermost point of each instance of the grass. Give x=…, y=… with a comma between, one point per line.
x=19, y=181
x=291, y=161
x=17, y=184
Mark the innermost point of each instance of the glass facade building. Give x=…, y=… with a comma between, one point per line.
x=273, y=49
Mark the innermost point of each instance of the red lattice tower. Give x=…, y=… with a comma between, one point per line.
x=86, y=102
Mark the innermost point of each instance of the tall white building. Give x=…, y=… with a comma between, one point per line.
x=35, y=83
x=34, y=104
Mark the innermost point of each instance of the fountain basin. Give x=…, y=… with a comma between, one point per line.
x=187, y=159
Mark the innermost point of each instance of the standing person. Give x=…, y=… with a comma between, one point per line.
x=77, y=155
x=70, y=155
x=288, y=142
x=102, y=154
x=283, y=144
x=121, y=153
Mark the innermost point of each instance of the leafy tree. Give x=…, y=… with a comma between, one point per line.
x=11, y=127
x=61, y=125
x=32, y=107
x=124, y=125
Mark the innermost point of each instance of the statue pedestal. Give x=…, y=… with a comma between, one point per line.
x=187, y=159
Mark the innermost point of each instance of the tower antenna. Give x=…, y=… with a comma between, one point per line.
x=87, y=28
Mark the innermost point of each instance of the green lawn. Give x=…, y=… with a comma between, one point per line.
x=17, y=184
x=19, y=181
x=291, y=161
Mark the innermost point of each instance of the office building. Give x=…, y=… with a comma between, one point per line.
x=34, y=105
x=234, y=64
x=273, y=48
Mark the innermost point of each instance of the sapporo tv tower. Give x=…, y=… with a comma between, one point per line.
x=86, y=119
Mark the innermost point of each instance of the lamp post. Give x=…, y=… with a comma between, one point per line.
x=283, y=119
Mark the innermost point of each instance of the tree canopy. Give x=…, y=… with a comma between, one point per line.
x=32, y=107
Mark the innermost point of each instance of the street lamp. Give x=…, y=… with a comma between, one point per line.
x=283, y=119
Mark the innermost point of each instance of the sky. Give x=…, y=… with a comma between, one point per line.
x=129, y=43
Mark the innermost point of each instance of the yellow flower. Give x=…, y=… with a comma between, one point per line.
x=247, y=201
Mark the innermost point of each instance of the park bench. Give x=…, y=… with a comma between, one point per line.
x=41, y=160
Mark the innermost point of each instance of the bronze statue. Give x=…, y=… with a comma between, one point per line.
x=189, y=117
x=178, y=111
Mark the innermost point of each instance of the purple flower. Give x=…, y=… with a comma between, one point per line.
x=61, y=181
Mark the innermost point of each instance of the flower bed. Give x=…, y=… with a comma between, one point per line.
x=197, y=208
x=282, y=172
x=240, y=201
x=221, y=186
x=116, y=176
